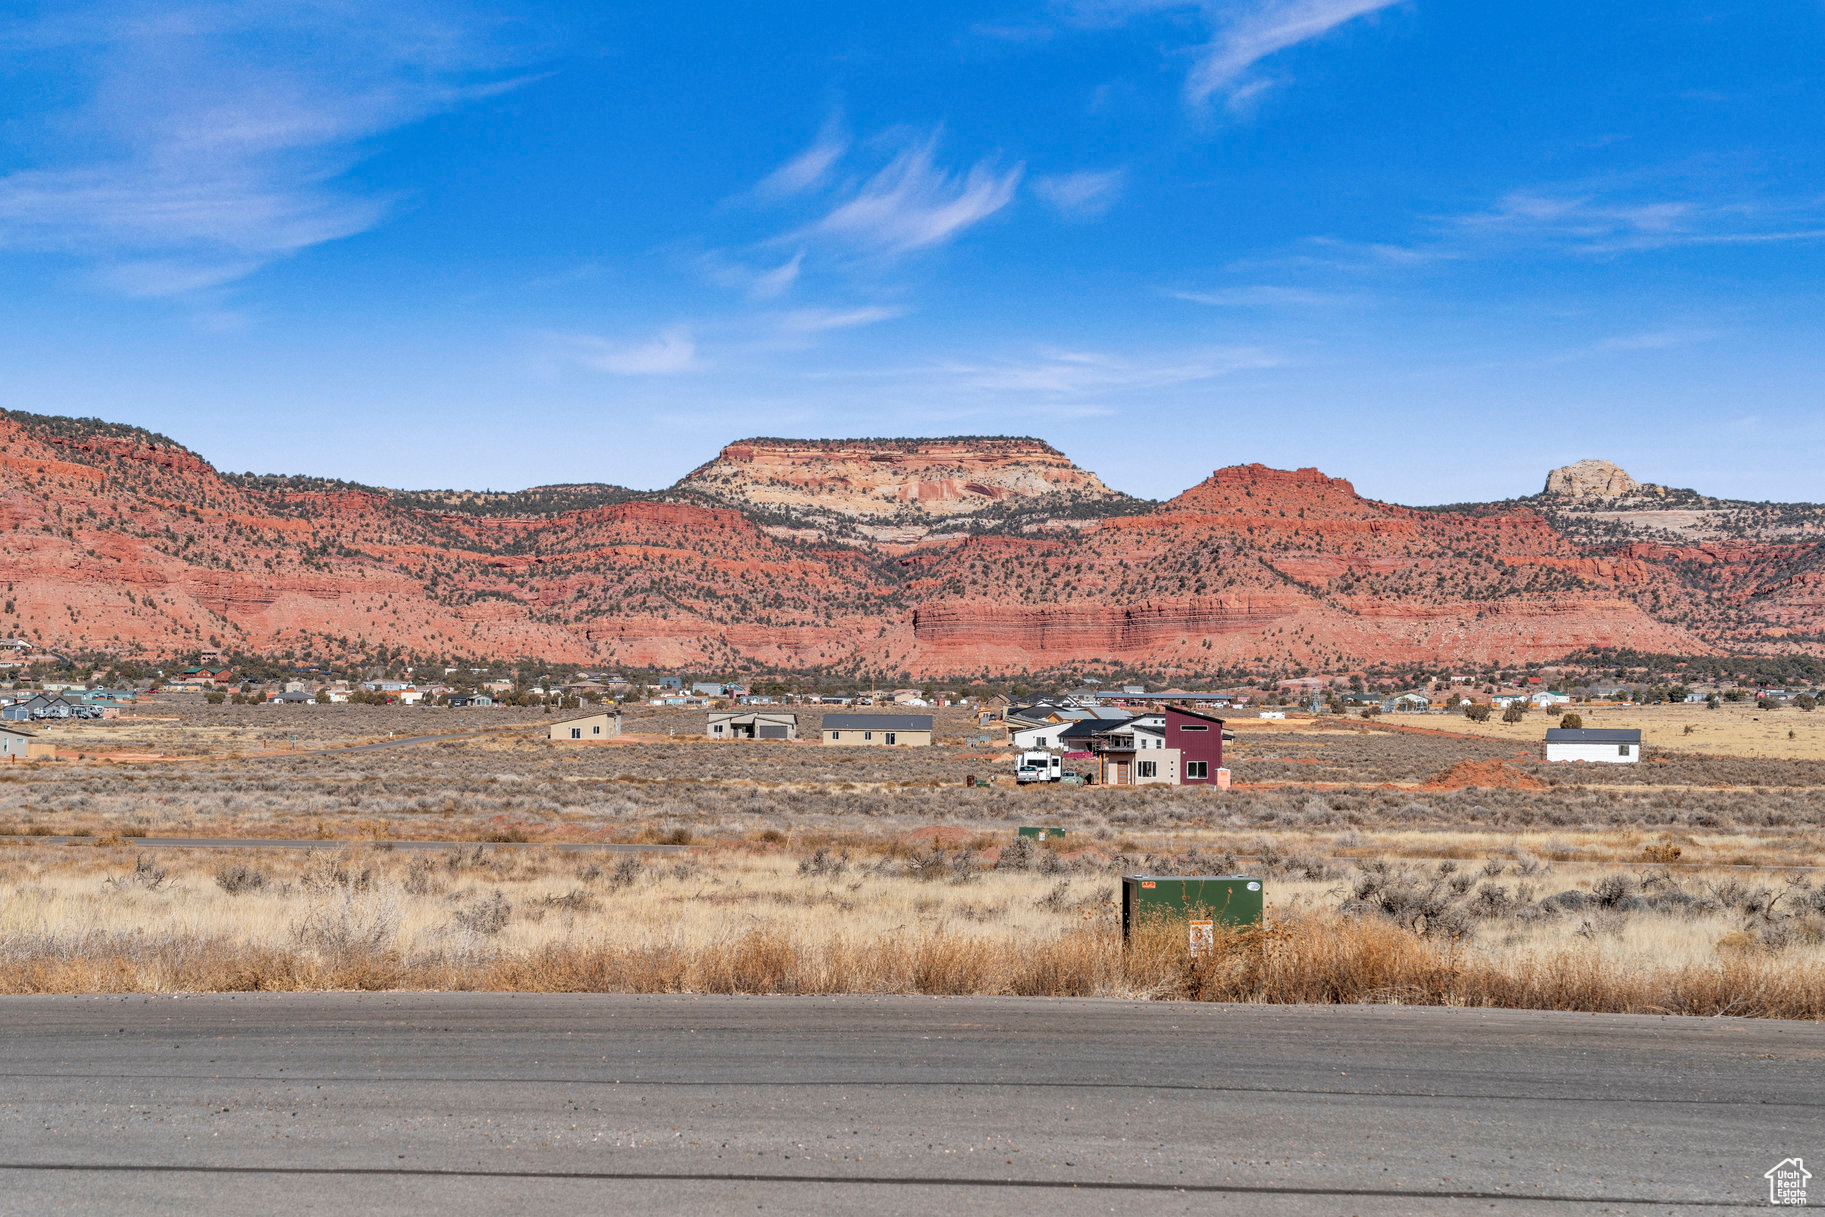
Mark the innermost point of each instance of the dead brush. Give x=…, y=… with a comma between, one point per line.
x=577, y=900
x=626, y=873
x=421, y=877
x=931, y=866
x=1016, y=855
x=324, y=873
x=488, y=916
x=146, y=875
x=1424, y=905
x=238, y=877
x=823, y=864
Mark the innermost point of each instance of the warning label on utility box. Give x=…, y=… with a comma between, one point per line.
x=1203, y=936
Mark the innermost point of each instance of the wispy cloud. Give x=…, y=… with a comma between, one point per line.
x=913, y=203
x=669, y=352
x=1083, y=195
x=216, y=137
x=823, y=320
x=1240, y=34
x=810, y=168
x=1068, y=373
x=1249, y=33
x=1264, y=296
x=1587, y=222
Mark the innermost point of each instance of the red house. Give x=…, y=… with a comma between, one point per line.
x=1199, y=739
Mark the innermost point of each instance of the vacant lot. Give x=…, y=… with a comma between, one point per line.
x=1401, y=865
x=1733, y=729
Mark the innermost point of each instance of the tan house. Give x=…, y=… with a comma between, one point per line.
x=594, y=729
x=1135, y=754
x=758, y=725
x=15, y=744
x=878, y=730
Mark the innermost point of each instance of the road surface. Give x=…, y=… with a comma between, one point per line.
x=459, y=1103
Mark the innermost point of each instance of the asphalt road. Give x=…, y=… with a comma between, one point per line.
x=456, y=1103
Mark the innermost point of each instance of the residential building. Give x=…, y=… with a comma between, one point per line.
x=708, y=688
x=766, y=725
x=1046, y=735
x=593, y=729
x=15, y=743
x=1135, y=754
x=1608, y=745
x=1198, y=737
x=878, y=730
x=1076, y=738
x=466, y=701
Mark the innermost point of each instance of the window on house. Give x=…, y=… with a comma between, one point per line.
x=576, y=733
x=1622, y=749
x=596, y=730
x=867, y=735
x=1147, y=769
x=1191, y=728
x=1197, y=769
x=890, y=737
x=836, y=735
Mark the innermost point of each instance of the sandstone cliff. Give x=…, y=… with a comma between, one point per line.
x=897, y=490
x=119, y=540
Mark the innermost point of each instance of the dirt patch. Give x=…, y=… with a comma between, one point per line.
x=950, y=834
x=1499, y=775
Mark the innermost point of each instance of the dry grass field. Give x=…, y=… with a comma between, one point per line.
x=1733, y=729
x=1401, y=865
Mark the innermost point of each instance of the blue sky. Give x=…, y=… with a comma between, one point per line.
x=1434, y=248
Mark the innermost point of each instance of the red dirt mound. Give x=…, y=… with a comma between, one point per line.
x=949, y=833
x=1499, y=775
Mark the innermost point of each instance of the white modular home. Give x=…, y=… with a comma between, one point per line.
x=1610, y=745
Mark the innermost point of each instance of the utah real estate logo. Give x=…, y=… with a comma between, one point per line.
x=1787, y=1182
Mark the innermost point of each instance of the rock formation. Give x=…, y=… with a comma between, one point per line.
x=955, y=556
x=1595, y=480
x=897, y=490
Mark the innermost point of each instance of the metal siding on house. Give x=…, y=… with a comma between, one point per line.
x=595, y=727
x=1608, y=754
x=1195, y=746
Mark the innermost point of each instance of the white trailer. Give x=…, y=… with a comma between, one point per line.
x=1039, y=766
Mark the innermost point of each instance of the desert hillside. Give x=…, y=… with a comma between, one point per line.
x=933, y=557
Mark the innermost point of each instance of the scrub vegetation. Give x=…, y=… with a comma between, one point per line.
x=1418, y=868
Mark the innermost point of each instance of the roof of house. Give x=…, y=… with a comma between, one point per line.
x=1209, y=718
x=17, y=731
x=1592, y=735
x=877, y=722
x=733, y=716
x=1087, y=728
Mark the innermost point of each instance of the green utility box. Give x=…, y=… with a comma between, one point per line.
x=1042, y=833
x=1230, y=899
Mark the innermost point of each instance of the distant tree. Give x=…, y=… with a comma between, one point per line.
x=1572, y=722
x=1806, y=701
x=323, y=697
x=215, y=699
x=1476, y=712
x=1513, y=714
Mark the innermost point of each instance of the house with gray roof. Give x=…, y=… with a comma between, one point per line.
x=878, y=730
